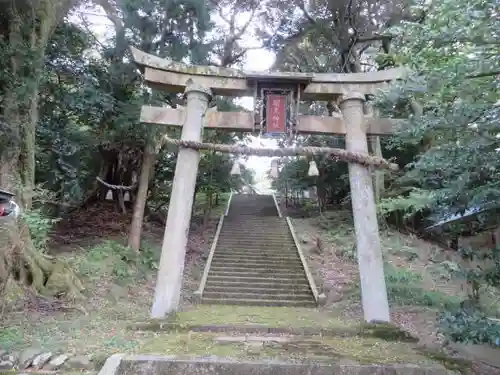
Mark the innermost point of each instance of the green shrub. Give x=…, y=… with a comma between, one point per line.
x=469, y=326
x=396, y=275
x=10, y=337
x=404, y=288
x=39, y=226
x=111, y=258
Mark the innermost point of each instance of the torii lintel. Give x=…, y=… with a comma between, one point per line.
x=172, y=76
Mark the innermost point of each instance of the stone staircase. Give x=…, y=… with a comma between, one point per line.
x=256, y=261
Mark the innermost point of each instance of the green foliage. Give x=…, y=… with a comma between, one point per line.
x=10, y=337
x=468, y=326
x=332, y=183
x=485, y=274
x=396, y=275
x=416, y=201
x=453, y=54
x=39, y=225
x=112, y=259
x=404, y=287
x=469, y=323
x=90, y=105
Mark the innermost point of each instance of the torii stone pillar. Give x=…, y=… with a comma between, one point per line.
x=370, y=262
x=173, y=252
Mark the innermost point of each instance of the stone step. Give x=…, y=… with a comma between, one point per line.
x=275, y=244
x=256, y=261
x=306, y=297
x=258, y=273
x=296, y=266
x=251, y=222
x=264, y=202
x=258, y=244
x=218, y=279
x=260, y=257
x=219, y=261
x=256, y=253
x=262, y=252
x=240, y=209
x=271, y=288
x=262, y=283
x=245, y=234
x=257, y=221
x=257, y=302
x=245, y=208
x=260, y=268
x=250, y=238
x=285, y=251
x=245, y=265
x=227, y=238
x=289, y=253
x=273, y=226
x=242, y=230
x=257, y=249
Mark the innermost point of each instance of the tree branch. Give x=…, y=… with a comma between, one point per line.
x=485, y=74
x=373, y=38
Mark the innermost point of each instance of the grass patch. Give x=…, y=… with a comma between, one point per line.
x=10, y=337
x=404, y=288
x=111, y=259
x=118, y=292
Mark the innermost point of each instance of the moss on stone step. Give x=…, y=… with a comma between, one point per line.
x=460, y=365
x=386, y=331
x=320, y=349
x=296, y=321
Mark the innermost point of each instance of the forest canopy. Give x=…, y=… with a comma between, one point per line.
x=70, y=99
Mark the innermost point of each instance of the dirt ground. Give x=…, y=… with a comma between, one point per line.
x=120, y=289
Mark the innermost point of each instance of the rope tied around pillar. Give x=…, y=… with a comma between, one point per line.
x=337, y=153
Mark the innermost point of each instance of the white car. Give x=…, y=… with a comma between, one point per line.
x=8, y=208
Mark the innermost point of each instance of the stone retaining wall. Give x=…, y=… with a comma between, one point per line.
x=160, y=365
x=35, y=359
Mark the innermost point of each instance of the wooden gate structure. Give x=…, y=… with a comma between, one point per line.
x=270, y=90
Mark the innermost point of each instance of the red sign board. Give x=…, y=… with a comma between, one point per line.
x=276, y=113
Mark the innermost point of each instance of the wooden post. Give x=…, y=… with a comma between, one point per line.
x=370, y=262
x=170, y=273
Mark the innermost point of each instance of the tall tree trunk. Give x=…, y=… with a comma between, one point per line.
x=29, y=35
x=134, y=238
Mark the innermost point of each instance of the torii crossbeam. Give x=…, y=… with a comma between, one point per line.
x=200, y=83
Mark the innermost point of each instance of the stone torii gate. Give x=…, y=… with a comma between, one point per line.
x=281, y=93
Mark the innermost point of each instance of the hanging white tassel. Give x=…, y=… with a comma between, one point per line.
x=235, y=170
x=313, y=169
x=126, y=197
x=109, y=195
x=274, y=169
